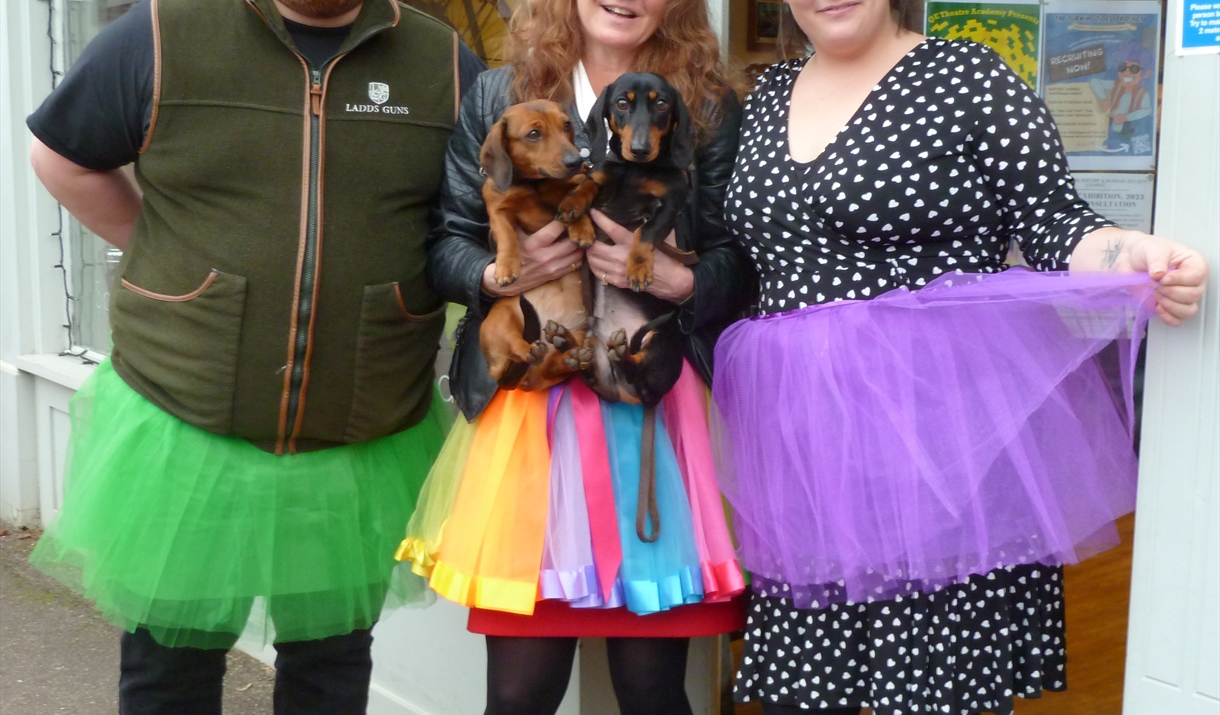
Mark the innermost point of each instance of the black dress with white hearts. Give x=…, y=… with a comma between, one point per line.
x=949, y=159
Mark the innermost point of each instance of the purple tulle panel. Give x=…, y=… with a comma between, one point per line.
x=983, y=421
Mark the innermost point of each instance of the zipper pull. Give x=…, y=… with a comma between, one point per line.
x=315, y=93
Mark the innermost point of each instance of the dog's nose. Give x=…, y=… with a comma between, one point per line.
x=641, y=144
x=572, y=160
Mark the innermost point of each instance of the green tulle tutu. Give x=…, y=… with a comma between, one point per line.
x=178, y=530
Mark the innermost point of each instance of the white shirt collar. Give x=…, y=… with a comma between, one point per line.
x=583, y=89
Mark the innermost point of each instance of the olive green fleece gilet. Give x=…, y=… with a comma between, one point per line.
x=274, y=286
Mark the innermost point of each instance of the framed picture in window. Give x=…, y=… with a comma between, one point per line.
x=763, y=24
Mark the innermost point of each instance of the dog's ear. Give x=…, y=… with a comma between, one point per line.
x=494, y=156
x=682, y=137
x=595, y=127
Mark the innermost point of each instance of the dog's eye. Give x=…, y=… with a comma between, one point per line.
x=567, y=127
x=662, y=105
x=534, y=135
x=622, y=104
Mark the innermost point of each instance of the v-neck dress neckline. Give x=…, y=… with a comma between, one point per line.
x=785, y=119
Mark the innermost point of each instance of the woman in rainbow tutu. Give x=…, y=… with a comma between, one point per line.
x=529, y=514
x=915, y=439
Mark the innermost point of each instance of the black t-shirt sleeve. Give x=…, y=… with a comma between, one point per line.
x=469, y=67
x=98, y=115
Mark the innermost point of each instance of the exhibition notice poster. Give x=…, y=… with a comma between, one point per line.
x=1012, y=29
x=1125, y=199
x=1099, y=79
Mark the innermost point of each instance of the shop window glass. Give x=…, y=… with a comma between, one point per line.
x=91, y=262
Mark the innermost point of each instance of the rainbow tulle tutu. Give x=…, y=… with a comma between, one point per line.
x=536, y=500
x=928, y=436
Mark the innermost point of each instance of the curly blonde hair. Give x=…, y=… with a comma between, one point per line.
x=546, y=41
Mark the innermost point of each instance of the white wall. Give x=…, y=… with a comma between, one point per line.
x=31, y=294
x=1173, y=649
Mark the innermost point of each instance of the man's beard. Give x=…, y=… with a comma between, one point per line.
x=322, y=9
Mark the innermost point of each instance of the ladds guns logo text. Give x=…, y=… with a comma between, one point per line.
x=379, y=94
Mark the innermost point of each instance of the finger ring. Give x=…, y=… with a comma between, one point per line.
x=604, y=281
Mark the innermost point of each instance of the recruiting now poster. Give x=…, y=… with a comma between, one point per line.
x=1012, y=29
x=1099, y=79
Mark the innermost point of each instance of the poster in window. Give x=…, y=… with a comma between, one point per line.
x=1100, y=70
x=1125, y=199
x=1012, y=29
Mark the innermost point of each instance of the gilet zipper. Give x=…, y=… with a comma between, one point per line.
x=309, y=263
x=305, y=307
x=304, y=297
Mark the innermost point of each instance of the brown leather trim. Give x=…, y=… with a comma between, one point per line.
x=156, y=99
x=172, y=298
x=282, y=428
x=646, y=500
x=317, y=263
x=412, y=317
x=686, y=258
x=457, y=80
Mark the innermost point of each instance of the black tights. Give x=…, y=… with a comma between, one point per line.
x=529, y=676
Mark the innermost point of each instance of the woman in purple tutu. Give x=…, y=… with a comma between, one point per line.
x=910, y=473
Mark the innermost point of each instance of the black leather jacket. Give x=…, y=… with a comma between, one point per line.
x=458, y=244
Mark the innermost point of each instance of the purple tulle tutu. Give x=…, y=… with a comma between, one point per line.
x=927, y=436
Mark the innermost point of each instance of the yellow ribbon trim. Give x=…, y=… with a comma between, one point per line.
x=482, y=592
x=415, y=550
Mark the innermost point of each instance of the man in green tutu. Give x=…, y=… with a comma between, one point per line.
x=260, y=432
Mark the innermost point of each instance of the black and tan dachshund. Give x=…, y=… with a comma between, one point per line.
x=642, y=184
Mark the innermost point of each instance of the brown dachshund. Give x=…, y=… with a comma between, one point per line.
x=534, y=340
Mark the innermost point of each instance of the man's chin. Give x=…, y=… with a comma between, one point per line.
x=322, y=9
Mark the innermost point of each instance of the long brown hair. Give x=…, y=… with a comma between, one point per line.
x=546, y=41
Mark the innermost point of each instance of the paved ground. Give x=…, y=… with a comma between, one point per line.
x=58, y=656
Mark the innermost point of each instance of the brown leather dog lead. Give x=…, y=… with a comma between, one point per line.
x=646, y=504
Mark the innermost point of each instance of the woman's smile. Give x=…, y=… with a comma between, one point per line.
x=617, y=11
x=619, y=26
x=839, y=9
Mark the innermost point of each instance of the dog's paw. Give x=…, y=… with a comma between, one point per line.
x=639, y=279
x=537, y=352
x=639, y=266
x=507, y=271
x=572, y=207
x=559, y=336
x=616, y=345
x=578, y=359
x=582, y=233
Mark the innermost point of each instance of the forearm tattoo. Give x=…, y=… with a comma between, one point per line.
x=1110, y=256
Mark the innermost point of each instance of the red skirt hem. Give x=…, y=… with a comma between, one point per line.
x=556, y=619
